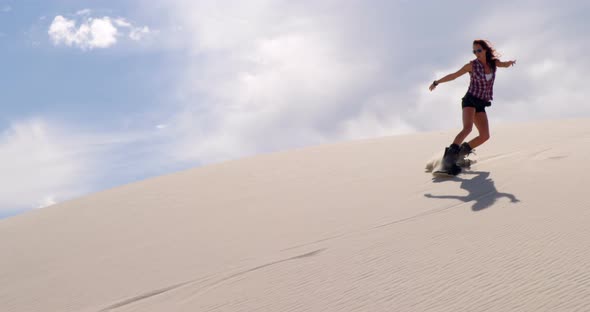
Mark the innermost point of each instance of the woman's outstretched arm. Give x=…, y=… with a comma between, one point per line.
x=505, y=64
x=465, y=69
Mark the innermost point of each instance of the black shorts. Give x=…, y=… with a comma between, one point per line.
x=471, y=101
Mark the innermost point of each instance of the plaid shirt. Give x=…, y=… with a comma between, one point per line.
x=479, y=86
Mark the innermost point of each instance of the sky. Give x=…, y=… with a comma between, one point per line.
x=98, y=94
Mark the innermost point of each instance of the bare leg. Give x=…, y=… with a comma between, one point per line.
x=481, y=122
x=468, y=120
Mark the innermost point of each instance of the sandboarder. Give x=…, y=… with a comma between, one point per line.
x=479, y=95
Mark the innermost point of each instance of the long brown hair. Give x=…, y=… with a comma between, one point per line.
x=491, y=54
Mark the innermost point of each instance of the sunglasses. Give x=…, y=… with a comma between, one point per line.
x=477, y=51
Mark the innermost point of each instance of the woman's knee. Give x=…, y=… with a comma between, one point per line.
x=467, y=129
x=485, y=136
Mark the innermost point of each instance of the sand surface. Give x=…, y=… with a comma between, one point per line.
x=354, y=226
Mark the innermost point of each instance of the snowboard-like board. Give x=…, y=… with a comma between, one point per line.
x=454, y=171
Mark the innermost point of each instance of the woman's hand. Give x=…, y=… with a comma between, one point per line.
x=433, y=85
x=505, y=64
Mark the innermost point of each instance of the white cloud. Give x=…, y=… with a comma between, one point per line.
x=370, y=124
x=84, y=12
x=103, y=33
x=278, y=75
x=139, y=33
x=43, y=163
x=135, y=33
x=46, y=202
x=121, y=22
x=37, y=166
x=93, y=32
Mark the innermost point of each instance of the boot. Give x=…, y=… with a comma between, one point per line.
x=464, y=151
x=450, y=158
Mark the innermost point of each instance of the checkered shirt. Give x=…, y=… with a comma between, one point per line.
x=479, y=86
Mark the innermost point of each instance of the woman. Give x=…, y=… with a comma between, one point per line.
x=479, y=95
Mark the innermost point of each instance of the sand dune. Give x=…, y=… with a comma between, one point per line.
x=354, y=226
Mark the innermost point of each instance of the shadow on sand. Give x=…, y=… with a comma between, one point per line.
x=481, y=189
